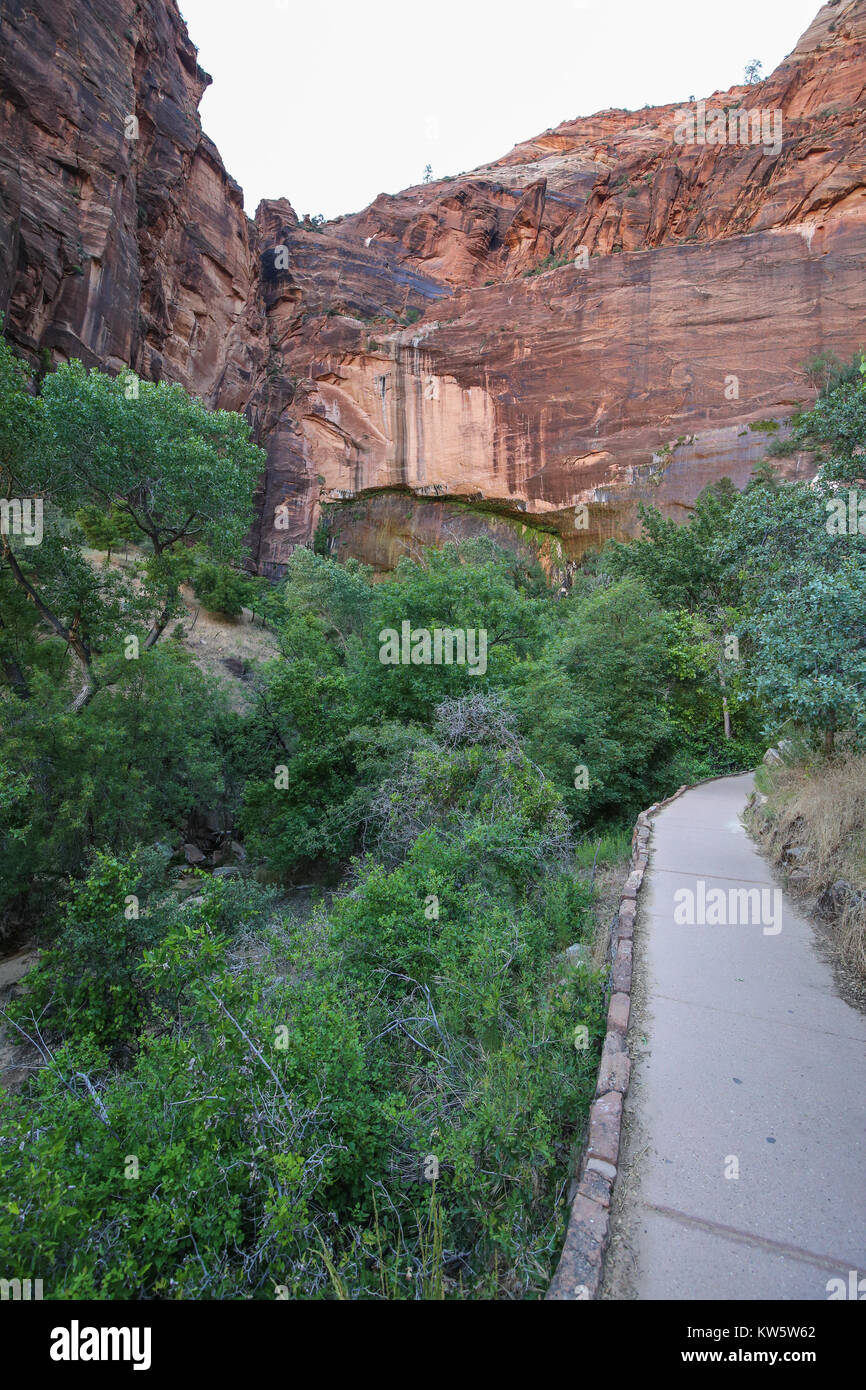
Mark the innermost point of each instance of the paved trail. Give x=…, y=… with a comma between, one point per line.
x=744, y=1051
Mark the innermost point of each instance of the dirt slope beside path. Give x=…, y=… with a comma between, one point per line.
x=745, y=1122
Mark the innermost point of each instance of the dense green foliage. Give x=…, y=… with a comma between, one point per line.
x=221, y=589
x=157, y=465
x=368, y=1087
x=285, y=1085
x=106, y=530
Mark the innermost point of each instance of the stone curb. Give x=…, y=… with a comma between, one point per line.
x=581, y=1264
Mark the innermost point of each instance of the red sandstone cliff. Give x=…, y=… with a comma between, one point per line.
x=560, y=327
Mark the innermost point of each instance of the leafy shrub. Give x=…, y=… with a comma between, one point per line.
x=221, y=589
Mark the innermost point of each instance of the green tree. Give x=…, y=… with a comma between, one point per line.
x=128, y=768
x=810, y=651
x=221, y=589
x=106, y=530
x=154, y=459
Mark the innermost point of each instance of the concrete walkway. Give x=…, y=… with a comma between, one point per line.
x=746, y=1059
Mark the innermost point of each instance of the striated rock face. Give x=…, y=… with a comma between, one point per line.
x=601, y=316
x=116, y=249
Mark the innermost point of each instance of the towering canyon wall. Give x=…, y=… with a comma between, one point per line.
x=115, y=249
x=601, y=316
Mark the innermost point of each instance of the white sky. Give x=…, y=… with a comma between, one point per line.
x=330, y=102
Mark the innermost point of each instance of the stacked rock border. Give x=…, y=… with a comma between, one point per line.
x=581, y=1265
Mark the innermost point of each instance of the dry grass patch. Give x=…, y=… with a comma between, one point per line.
x=211, y=638
x=813, y=824
x=610, y=853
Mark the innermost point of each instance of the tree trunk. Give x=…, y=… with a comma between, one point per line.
x=12, y=671
x=160, y=625
x=164, y=618
x=725, y=710
x=70, y=635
